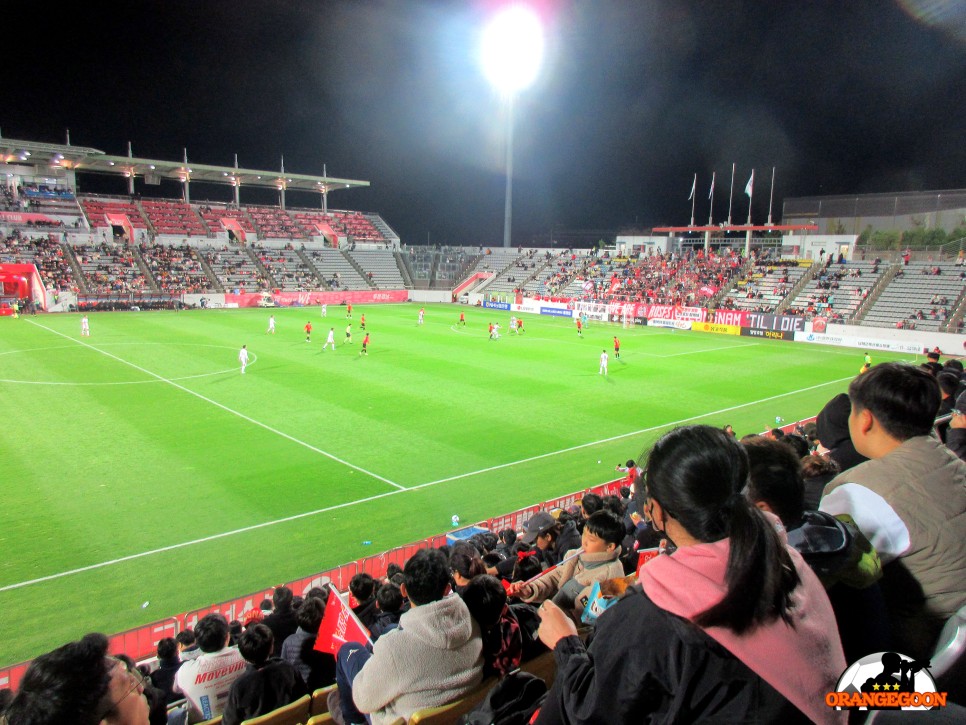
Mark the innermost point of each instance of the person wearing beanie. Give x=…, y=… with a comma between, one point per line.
x=832, y=426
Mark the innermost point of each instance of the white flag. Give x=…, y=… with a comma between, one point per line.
x=711, y=193
x=751, y=184
x=693, y=186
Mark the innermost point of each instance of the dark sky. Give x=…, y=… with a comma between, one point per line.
x=842, y=96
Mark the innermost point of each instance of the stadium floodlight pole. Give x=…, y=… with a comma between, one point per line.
x=511, y=49
x=508, y=201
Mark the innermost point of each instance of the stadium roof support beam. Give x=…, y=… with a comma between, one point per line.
x=61, y=158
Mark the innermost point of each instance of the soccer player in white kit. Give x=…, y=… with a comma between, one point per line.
x=603, y=363
x=513, y=323
x=422, y=312
x=85, y=327
x=325, y=309
x=271, y=325
x=243, y=358
x=330, y=340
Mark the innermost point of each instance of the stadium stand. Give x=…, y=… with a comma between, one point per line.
x=51, y=258
x=764, y=288
x=289, y=268
x=213, y=215
x=270, y=222
x=332, y=266
x=109, y=268
x=176, y=269
x=171, y=217
x=837, y=290
x=380, y=267
x=920, y=296
x=97, y=210
x=236, y=268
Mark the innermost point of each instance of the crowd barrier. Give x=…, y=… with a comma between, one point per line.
x=141, y=643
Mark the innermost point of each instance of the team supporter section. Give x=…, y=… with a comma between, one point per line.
x=177, y=269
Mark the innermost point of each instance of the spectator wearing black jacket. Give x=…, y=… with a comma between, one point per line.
x=267, y=684
x=282, y=620
x=316, y=668
x=168, y=665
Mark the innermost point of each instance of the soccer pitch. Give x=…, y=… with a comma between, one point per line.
x=140, y=466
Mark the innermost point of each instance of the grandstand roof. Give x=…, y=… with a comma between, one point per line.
x=90, y=160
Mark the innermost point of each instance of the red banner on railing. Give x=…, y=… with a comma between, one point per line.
x=304, y=299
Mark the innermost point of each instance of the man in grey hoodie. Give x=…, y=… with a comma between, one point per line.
x=433, y=657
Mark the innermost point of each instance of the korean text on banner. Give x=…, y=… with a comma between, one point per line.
x=339, y=625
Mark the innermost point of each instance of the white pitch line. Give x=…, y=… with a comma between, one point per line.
x=626, y=435
x=225, y=408
x=183, y=544
x=295, y=517
x=710, y=349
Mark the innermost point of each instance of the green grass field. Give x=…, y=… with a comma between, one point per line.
x=144, y=439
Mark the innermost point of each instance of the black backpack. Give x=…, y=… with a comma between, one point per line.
x=512, y=701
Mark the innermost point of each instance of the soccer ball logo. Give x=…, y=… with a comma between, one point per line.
x=886, y=680
x=456, y=520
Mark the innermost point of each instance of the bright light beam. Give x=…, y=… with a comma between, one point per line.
x=511, y=49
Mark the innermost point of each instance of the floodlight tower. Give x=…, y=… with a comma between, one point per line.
x=510, y=53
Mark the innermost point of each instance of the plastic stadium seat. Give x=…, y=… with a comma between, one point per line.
x=322, y=719
x=450, y=713
x=294, y=714
x=320, y=700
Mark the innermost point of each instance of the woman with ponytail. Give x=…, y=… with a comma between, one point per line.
x=731, y=627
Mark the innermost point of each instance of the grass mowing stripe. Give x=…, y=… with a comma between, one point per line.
x=347, y=504
x=628, y=435
x=213, y=537
x=225, y=408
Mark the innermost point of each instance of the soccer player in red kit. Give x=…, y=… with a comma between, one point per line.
x=580, y=328
x=462, y=319
x=308, y=331
x=362, y=321
x=365, y=343
x=348, y=309
x=617, y=347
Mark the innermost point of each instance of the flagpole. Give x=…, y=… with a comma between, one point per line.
x=771, y=195
x=711, y=196
x=731, y=192
x=694, y=197
x=751, y=193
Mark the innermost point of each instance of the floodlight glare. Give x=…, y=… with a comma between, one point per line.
x=512, y=48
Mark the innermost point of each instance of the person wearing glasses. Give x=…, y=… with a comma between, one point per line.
x=79, y=684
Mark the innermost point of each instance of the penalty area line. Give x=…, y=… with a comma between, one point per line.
x=225, y=408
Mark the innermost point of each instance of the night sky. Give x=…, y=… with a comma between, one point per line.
x=843, y=96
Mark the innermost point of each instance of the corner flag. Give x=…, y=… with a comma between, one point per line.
x=751, y=183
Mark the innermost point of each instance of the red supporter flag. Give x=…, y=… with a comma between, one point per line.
x=708, y=290
x=339, y=625
x=645, y=555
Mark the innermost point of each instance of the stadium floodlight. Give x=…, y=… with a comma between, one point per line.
x=510, y=52
x=512, y=49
